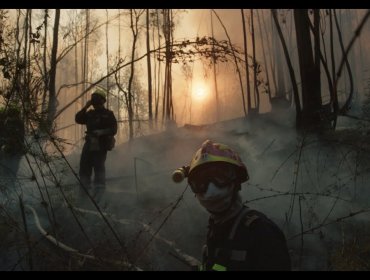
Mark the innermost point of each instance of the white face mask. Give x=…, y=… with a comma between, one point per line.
x=215, y=199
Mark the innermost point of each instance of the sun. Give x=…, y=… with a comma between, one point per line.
x=200, y=91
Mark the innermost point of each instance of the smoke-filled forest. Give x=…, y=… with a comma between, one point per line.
x=287, y=89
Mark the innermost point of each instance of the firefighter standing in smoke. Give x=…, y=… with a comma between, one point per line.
x=101, y=127
x=238, y=238
x=11, y=143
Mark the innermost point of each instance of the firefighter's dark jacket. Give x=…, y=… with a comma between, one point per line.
x=97, y=119
x=257, y=244
x=12, y=133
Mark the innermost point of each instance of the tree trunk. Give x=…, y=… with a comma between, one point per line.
x=132, y=73
x=264, y=55
x=280, y=81
x=107, y=56
x=149, y=71
x=291, y=71
x=53, y=68
x=44, y=59
x=167, y=96
x=158, y=70
x=246, y=62
x=310, y=77
x=214, y=74
x=256, y=90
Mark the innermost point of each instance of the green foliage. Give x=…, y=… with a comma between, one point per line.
x=205, y=47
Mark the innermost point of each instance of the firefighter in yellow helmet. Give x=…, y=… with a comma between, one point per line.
x=238, y=238
x=101, y=126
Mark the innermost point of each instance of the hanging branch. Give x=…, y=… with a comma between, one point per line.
x=313, y=229
x=202, y=47
x=350, y=45
x=161, y=225
x=345, y=108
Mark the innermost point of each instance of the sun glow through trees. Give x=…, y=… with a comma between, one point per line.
x=200, y=91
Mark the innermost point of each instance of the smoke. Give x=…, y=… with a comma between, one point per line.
x=300, y=181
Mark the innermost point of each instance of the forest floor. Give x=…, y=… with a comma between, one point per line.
x=315, y=187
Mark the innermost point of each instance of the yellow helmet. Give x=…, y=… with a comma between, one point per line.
x=101, y=93
x=216, y=152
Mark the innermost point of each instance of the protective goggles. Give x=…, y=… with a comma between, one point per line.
x=221, y=176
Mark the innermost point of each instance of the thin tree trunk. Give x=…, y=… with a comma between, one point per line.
x=53, y=69
x=149, y=71
x=44, y=58
x=256, y=91
x=86, y=51
x=272, y=51
x=167, y=98
x=246, y=62
x=107, y=56
x=291, y=70
x=235, y=61
x=25, y=52
x=28, y=69
x=264, y=56
x=132, y=73
x=214, y=74
x=279, y=70
x=159, y=70
x=327, y=71
x=17, y=75
x=119, y=57
x=77, y=128
x=334, y=95
x=27, y=235
x=316, y=29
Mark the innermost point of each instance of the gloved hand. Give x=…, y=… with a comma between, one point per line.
x=88, y=104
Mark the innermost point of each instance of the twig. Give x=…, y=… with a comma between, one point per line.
x=312, y=229
x=137, y=194
x=161, y=225
x=268, y=147
x=26, y=233
x=301, y=221
x=295, y=180
x=92, y=200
